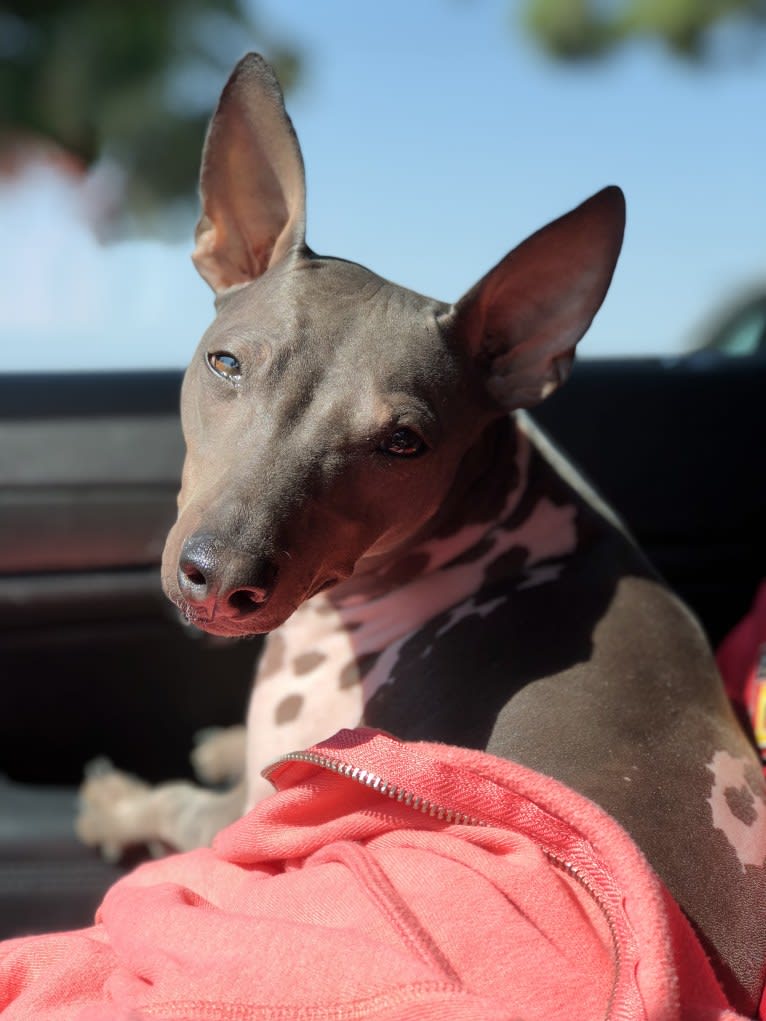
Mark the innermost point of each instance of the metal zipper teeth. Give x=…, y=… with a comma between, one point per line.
x=579, y=877
x=384, y=787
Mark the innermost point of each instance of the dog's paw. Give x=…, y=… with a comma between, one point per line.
x=111, y=806
x=219, y=757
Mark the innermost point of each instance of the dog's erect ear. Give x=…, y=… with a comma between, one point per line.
x=251, y=183
x=524, y=318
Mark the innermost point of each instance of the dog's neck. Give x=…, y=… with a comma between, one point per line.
x=504, y=483
x=489, y=481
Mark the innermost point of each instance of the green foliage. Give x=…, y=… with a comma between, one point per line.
x=582, y=29
x=127, y=80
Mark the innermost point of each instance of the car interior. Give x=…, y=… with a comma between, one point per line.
x=96, y=662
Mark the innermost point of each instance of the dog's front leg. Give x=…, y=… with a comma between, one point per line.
x=118, y=811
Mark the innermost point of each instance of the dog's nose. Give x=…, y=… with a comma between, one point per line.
x=215, y=579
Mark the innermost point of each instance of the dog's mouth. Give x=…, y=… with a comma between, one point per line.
x=228, y=625
x=196, y=619
x=245, y=620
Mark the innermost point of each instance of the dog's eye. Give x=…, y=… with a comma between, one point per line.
x=224, y=364
x=403, y=442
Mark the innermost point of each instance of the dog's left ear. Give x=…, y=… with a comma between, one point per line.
x=524, y=318
x=252, y=183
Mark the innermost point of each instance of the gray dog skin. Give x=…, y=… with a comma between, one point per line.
x=362, y=483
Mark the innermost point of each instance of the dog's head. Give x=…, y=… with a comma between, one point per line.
x=327, y=412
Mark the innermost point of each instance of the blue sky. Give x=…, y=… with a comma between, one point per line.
x=435, y=138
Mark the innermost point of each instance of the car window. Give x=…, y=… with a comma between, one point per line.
x=743, y=332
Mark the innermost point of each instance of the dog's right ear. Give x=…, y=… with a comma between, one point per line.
x=252, y=182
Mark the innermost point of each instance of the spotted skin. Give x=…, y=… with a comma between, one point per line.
x=543, y=606
x=738, y=808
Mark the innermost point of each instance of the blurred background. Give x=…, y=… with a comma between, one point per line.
x=436, y=134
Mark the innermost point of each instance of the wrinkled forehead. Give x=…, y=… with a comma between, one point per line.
x=331, y=313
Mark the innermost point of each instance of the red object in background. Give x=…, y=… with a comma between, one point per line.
x=742, y=661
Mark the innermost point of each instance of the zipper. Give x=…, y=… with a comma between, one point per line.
x=580, y=878
x=450, y=815
x=390, y=790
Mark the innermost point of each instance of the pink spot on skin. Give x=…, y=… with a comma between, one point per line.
x=745, y=834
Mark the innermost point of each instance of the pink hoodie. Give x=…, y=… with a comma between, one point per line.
x=383, y=881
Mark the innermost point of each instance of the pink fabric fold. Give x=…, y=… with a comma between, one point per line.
x=383, y=880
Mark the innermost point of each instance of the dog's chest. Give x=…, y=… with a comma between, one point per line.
x=321, y=668
x=305, y=688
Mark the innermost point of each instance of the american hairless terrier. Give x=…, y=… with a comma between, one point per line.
x=362, y=483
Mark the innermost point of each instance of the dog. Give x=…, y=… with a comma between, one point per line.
x=362, y=484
